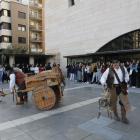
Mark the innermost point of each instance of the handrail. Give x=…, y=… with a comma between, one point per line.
x=38, y=27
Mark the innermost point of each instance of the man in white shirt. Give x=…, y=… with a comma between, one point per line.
x=115, y=89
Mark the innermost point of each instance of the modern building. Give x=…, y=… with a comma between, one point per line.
x=92, y=30
x=23, y=25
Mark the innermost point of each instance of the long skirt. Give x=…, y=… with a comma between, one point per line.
x=22, y=87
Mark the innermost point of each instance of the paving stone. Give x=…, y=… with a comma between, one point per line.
x=135, y=131
x=129, y=137
x=3, y=119
x=94, y=137
x=90, y=126
x=75, y=134
x=121, y=126
x=23, y=137
x=10, y=133
x=102, y=121
x=60, y=126
x=110, y=134
x=70, y=118
x=58, y=137
x=31, y=126
x=42, y=133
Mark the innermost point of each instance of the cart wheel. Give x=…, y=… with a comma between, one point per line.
x=43, y=97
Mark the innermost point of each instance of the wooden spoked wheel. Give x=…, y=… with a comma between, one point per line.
x=43, y=97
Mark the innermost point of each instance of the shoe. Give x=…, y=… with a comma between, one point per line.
x=91, y=82
x=117, y=118
x=125, y=120
x=87, y=83
x=133, y=87
x=20, y=103
x=25, y=99
x=127, y=85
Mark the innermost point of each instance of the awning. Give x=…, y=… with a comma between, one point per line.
x=27, y=55
x=104, y=53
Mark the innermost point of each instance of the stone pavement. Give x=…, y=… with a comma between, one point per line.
x=73, y=119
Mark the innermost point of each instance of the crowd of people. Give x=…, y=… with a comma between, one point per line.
x=25, y=69
x=92, y=72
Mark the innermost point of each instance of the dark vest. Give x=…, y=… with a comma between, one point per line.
x=110, y=78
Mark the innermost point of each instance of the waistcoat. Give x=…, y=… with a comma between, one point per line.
x=110, y=78
x=19, y=78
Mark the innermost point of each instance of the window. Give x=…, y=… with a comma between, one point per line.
x=32, y=12
x=124, y=42
x=21, y=27
x=6, y=26
x=22, y=40
x=6, y=39
x=22, y=15
x=73, y=2
x=5, y=12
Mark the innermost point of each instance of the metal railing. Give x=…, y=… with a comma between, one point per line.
x=34, y=4
x=38, y=16
x=36, y=39
x=36, y=27
x=36, y=50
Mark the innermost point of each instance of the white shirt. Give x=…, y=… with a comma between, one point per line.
x=36, y=69
x=119, y=73
x=12, y=82
x=87, y=69
x=32, y=68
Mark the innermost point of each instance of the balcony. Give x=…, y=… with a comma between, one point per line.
x=36, y=39
x=36, y=28
x=36, y=50
x=36, y=6
x=36, y=17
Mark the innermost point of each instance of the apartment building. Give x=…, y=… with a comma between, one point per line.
x=13, y=26
x=36, y=25
x=23, y=25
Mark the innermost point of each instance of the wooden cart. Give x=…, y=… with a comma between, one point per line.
x=45, y=87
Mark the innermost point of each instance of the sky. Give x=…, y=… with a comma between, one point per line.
x=24, y=2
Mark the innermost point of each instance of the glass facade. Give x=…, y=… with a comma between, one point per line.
x=128, y=41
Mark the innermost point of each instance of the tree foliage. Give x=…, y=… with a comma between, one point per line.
x=16, y=49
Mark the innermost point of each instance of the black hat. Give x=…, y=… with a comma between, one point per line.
x=115, y=58
x=49, y=62
x=8, y=68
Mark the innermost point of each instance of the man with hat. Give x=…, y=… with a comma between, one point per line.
x=17, y=77
x=48, y=67
x=115, y=88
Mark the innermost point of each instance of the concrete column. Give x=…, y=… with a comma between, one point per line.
x=11, y=60
x=31, y=60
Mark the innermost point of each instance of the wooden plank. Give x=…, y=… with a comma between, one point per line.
x=60, y=93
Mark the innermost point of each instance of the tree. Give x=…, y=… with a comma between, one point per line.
x=16, y=49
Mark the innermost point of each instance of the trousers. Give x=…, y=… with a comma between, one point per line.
x=93, y=77
x=72, y=76
x=114, y=93
x=98, y=76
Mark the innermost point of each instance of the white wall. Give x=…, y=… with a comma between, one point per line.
x=88, y=25
x=5, y=5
